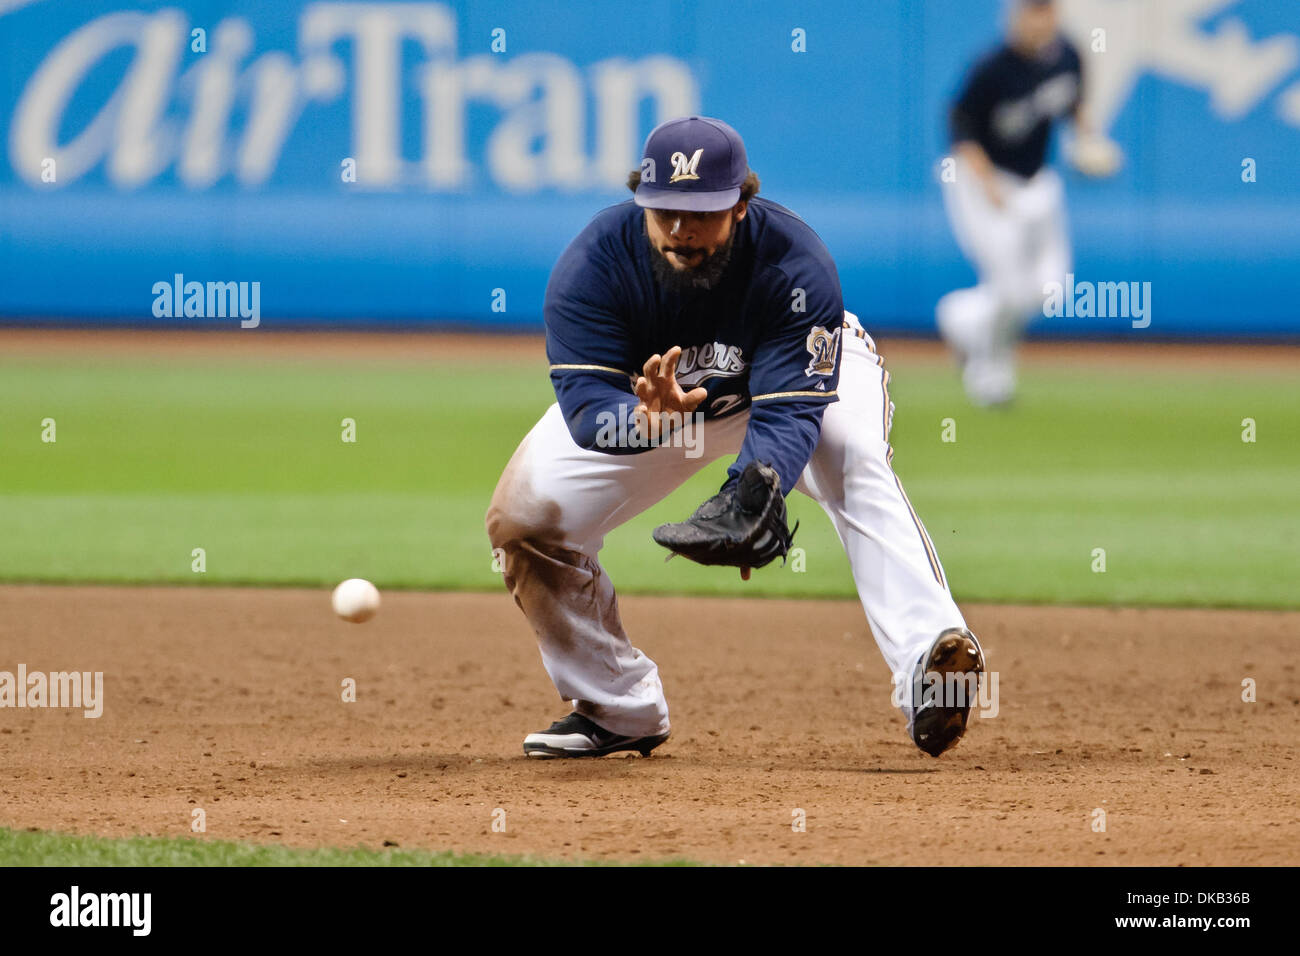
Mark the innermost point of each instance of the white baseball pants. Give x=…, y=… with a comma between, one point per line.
x=1016, y=250
x=555, y=503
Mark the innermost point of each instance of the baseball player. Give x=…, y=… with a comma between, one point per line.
x=699, y=307
x=1007, y=209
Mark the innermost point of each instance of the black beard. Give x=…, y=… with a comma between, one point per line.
x=705, y=276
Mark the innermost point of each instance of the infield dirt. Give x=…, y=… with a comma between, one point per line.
x=230, y=700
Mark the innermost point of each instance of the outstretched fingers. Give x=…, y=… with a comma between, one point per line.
x=692, y=399
x=668, y=369
x=657, y=390
x=651, y=367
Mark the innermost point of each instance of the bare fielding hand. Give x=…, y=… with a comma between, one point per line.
x=659, y=393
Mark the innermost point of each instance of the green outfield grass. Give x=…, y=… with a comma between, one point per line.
x=32, y=848
x=243, y=458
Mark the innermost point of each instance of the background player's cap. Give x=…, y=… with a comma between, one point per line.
x=697, y=164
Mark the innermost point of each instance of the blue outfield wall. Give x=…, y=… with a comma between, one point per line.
x=475, y=166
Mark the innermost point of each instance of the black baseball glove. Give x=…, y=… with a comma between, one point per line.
x=742, y=526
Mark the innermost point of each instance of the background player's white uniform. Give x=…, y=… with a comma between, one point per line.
x=1016, y=250
x=1006, y=108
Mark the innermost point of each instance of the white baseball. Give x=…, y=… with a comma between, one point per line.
x=355, y=600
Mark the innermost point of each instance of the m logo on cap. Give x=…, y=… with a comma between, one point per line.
x=683, y=168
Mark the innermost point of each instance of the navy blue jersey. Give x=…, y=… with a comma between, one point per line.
x=766, y=337
x=1011, y=100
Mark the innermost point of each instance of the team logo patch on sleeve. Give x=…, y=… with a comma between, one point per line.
x=822, y=346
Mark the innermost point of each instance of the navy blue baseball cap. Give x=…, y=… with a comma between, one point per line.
x=694, y=163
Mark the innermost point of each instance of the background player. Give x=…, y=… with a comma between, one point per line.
x=1007, y=209
x=698, y=298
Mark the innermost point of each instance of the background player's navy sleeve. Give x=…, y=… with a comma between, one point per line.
x=1076, y=63
x=968, y=119
x=587, y=347
x=796, y=368
x=782, y=435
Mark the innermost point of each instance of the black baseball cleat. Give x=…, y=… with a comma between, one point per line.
x=944, y=685
x=577, y=736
